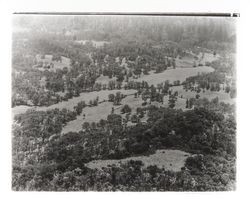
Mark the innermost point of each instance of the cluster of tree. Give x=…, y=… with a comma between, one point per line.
x=45, y=159
x=209, y=81
x=116, y=98
x=207, y=32
x=133, y=176
x=126, y=109
x=222, y=78
x=200, y=131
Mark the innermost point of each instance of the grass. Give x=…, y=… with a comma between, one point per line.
x=92, y=114
x=96, y=44
x=105, y=79
x=103, y=95
x=208, y=57
x=222, y=95
x=172, y=160
x=57, y=65
x=96, y=113
x=188, y=61
x=173, y=75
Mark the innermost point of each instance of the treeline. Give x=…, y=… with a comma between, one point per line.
x=222, y=79
x=205, y=32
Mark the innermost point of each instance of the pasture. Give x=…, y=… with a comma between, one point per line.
x=57, y=64
x=172, y=160
x=103, y=95
x=95, y=43
x=222, y=95
x=173, y=74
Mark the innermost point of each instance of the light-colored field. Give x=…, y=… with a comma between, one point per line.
x=172, y=160
x=96, y=44
x=96, y=113
x=19, y=109
x=103, y=95
x=92, y=114
x=133, y=102
x=57, y=64
x=105, y=79
x=188, y=61
x=222, y=95
x=208, y=57
x=173, y=75
x=185, y=62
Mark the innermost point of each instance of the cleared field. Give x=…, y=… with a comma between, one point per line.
x=57, y=64
x=188, y=61
x=96, y=113
x=92, y=114
x=222, y=95
x=208, y=57
x=185, y=62
x=103, y=95
x=96, y=44
x=105, y=79
x=133, y=102
x=173, y=75
x=172, y=160
x=19, y=109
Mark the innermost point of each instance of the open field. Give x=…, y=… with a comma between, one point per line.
x=96, y=44
x=222, y=95
x=103, y=95
x=96, y=113
x=208, y=57
x=188, y=61
x=133, y=102
x=92, y=114
x=172, y=160
x=105, y=79
x=57, y=64
x=173, y=75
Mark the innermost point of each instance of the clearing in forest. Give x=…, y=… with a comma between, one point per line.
x=65, y=62
x=172, y=160
x=173, y=75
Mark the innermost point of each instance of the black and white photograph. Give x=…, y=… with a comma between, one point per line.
x=135, y=103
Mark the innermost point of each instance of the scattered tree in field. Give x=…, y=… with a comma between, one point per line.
x=111, y=97
x=187, y=103
x=173, y=63
x=86, y=125
x=118, y=98
x=171, y=101
x=197, y=96
x=194, y=64
x=134, y=119
x=126, y=109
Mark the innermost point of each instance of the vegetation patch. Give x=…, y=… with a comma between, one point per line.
x=172, y=160
x=174, y=74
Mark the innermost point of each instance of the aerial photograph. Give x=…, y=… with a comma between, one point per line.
x=128, y=103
